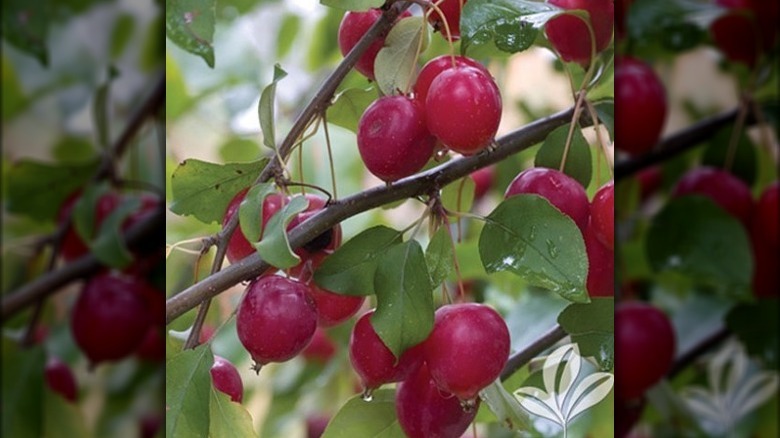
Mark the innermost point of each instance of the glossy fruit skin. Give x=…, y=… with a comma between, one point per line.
x=725, y=189
x=373, y=361
x=276, y=319
x=463, y=109
x=563, y=192
x=766, y=215
x=321, y=349
x=393, y=139
x=451, y=10
x=746, y=31
x=434, y=67
x=569, y=34
x=353, y=26
x=110, y=317
x=641, y=97
x=60, y=379
x=644, y=348
x=225, y=378
x=601, y=265
x=332, y=308
x=483, y=180
x=467, y=348
x=73, y=246
x=425, y=411
x=238, y=247
x=602, y=214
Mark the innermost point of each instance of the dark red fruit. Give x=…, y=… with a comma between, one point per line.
x=467, y=348
x=321, y=349
x=60, y=379
x=425, y=411
x=373, y=361
x=746, y=31
x=627, y=413
x=151, y=423
x=650, y=180
x=225, y=378
x=641, y=97
x=333, y=308
x=72, y=246
x=434, y=67
x=451, y=10
x=644, y=348
x=766, y=275
x=463, y=109
x=316, y=425
x=569, y=34
x=352, y=28
x=725, y=189
x=483, y=181
x=765, y=217
x=621, y=13
x=601, y=265
x=393, y=139
x=152, y=348
x=110, y=317
x=563, y=192
x=325, y=242
x=602, y=214
x=276, y=319
x=238, y=247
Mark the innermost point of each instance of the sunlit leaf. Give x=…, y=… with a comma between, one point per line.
x=395, y=66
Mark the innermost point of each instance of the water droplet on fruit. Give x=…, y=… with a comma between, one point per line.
x=368, y=395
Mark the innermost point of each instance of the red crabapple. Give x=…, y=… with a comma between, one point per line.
x=451, y=10
x=641, y=97
x=226, y=379
x=569, y=34
x=352, y=28
x=563, y=192
x=725, y=189
x=60, y=379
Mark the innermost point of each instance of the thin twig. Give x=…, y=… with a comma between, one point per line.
x=522, y=357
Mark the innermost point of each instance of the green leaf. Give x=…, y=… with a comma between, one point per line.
x=353, y=5
x=250, y=211
x=265, y=109
x=153, y=47
x=62, y=418
x=177, y=98
x=227, y=417
x=350, y=269
x=26, y=26
x=187, y=389
x=504, y=406
x=73, y=150
x=578, y=159
x=756, y=325
x=349, y=106
x=499, y=24
x=458, y=195
x=288, y=31
x=83, y=216
x=439, y=256
x=404, y=311
x=238, y=149
x=275, y=246
x=606, y=112
x=190, y=24
x=526, y=235
x=359, y=418
x=13, y=97
x=592, y=327
x=741, y=161
x=395, y=65
x=696, y=238
x=108, y=246
x=22, y=390
x=37, y=190
x=100, y=110
x=204, y=190
x=121, y=33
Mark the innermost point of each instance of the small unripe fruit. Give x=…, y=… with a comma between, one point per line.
x=563, y=192
x=60, y=379
x=225, y=378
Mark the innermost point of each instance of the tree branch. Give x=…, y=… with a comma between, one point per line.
x=137, y=237
x=679, y=142
x=522, y=357
x=708, y=343
x=416, y=185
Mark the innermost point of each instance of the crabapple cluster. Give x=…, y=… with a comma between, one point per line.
x=438, y=379
x=595, y=219
x=454, y=101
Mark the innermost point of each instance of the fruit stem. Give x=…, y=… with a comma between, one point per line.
x=435, y=7
x=572, y=124
x=330, y=154
x=416, y=57
x=603, y=144
x=739, y=123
